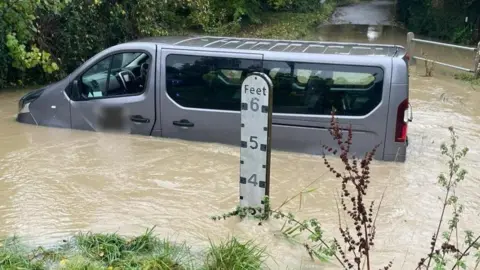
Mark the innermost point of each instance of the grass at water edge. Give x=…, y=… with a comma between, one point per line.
x=95, y=251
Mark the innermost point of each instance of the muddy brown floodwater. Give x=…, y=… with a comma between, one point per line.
x=56, y=182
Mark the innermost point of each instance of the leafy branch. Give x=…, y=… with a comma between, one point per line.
x=315, y=245
x=449, y=252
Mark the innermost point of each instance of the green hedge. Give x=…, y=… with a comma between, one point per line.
x=42, y=40
x=445, y=22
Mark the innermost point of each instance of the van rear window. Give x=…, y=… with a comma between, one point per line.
x=299, y=88
x=305, y=88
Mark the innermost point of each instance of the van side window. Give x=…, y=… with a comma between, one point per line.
x=208, y=82
x=117, y=75
x=305, y=88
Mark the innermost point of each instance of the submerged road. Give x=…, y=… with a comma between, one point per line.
x=376, y=12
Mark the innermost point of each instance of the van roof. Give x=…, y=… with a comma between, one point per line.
x=298, y=46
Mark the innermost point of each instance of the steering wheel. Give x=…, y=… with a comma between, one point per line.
x=124, y=76
x=144, y=70
x=96, y=87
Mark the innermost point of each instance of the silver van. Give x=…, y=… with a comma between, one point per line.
x=189, y=88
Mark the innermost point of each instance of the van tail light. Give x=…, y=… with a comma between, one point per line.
x=406, y=57
x=401, y=126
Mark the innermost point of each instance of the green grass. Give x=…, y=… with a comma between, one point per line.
x=80, y=263
x=15, y=256
x=467, y=77
x=95, y=251
x=233, y=254
x=289, y=25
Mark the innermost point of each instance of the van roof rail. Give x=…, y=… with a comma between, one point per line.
x=280, y=45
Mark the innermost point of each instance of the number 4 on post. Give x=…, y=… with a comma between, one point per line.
x=253, y=180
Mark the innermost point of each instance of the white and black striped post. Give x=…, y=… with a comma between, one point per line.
x=256, y=123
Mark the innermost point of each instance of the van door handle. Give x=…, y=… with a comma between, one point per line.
x=139, y=119
x=183, y=123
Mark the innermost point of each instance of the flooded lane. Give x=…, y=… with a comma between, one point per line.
x=55, y=182
x=375, y=12
x=374, y=22
x=388, y=34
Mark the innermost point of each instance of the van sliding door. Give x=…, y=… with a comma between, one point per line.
x=200, y=97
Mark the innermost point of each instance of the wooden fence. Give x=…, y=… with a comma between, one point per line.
x=474, y=69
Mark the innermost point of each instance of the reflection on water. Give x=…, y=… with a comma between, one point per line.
x=54, y=182
x=373, y=32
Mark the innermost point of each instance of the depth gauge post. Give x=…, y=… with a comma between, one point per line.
x=255, y=145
